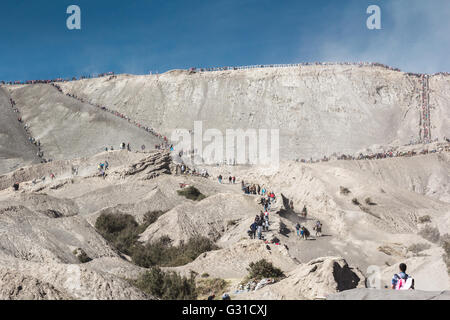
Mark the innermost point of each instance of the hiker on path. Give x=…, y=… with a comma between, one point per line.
x=298, y=227
x=305, y=233
x=253, y=228
x=304, y=212
x=318, y=228
x=401, y=280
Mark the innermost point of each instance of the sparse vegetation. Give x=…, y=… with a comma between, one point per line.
x=369, y=202
x=263, y=269
x=81, y=255
x=231, y=223
x=355, y=202
x=386, y=250
x=207, y=286
x=424, y=219
x=151, y=216
x=191, y=193
x=345, y=191
x=416, y=248
x=167, y=285
x=122, y=232
x=205, y=275
x=445, y=243
x=430, y=233
x=164, y=254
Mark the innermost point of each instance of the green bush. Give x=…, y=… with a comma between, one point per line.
x=445, y=242
x=191, y=193
x=121, y=230
x=418, y=247
x=263, y=269
x=424, y=219
x=430, y=233
x=81, y=255
x=345, y=191
x=215, y=286
x=167, y=285
x=162, y=253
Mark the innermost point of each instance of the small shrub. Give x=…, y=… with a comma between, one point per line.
x=344, y=191
x=418, y=247
x=167, y=285
x=263, y=269
x=424, y=219
x=81, y=255
x=231, y=223
x=430, y=233
x=445, y=243
x=369, y=202
x=205, y=275
x=151, y=217
x=121, y=230
x=191, y=193
x=355, y=202
x=162, y=253
x=207, y=286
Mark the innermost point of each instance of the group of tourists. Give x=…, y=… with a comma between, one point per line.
x=185, y=170
x=102, y=167
x=49, y=81
x=286, y=65
x=444, y=147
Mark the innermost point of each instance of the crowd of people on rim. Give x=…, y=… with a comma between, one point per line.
x=49, y=81
x=225, y=68
x=383, y=155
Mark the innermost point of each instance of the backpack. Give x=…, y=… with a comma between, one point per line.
x=404, y=284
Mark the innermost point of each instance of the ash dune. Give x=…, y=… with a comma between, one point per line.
x=69, y=129
x=15, y=150
x=318, y=109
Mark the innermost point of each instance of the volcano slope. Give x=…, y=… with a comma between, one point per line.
x=15, y=149
x=394, y=210
x=46, y=221
x=319, y=109
x=68, y=128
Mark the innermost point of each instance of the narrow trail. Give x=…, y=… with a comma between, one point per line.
x=36, y=144
x=425, y=116
x=164, y=142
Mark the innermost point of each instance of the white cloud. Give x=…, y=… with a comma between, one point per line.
x=415, y=37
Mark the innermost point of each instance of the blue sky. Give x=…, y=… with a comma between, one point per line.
x=138, y=36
